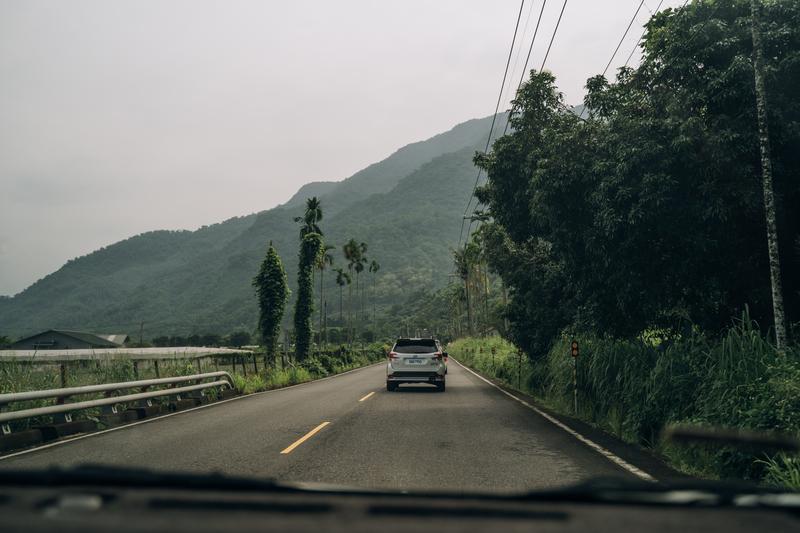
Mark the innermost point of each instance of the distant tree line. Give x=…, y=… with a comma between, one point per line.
x=234, y=340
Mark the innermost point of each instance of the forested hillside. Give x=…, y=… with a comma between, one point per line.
x=179, y=282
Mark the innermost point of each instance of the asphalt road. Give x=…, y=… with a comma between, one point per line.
x=472, y=437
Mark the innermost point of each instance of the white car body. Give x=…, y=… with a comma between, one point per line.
x=416, y=361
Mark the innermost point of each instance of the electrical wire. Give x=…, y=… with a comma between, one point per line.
x=494, y=119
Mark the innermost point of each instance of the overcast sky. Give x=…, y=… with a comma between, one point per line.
x=123, y=117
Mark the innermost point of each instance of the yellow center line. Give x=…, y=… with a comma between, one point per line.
x=367, y=396
x=304, y=438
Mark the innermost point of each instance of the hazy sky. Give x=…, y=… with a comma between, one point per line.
x=123, y=117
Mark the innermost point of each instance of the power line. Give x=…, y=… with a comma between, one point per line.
x=552, y=38
x=633, y=19
x=645, y=31
x=524, y=72
x=494, y=118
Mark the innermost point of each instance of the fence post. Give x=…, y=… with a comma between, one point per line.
x=158, y=371
x=519, y=369
x=199, y=366
x=63, y=373
x=255, y=363
x=136, y=369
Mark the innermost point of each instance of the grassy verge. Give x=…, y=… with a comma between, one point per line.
x=634, y=388
x=316, y=367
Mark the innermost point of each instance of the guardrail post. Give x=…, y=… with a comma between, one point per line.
x=199, y=366
x=255, y=363
x=158, y=372
x=244, y=366
x=136, y=369
x=63, y=372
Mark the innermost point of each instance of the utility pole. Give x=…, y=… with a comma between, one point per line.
x=766, y=178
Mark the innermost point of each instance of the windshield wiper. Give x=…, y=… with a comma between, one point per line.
x=608, y=491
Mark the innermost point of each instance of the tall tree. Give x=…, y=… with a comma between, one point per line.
x=272, y=291
x=374, y=266
x=310, y=248
x=766, y=177
x=351, y=254
x=360, y=265
x=342, y=279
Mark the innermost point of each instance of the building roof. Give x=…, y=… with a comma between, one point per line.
x=117, y=338
x=99, y=341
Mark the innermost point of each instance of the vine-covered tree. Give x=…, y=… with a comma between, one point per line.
x=311, y=246
x=272, y=291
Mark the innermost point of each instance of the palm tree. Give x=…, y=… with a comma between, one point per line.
x=342, y=279
x=352, y=253
x=362, y=259
x=311, y=218
x=373, y=269
x=324, y=259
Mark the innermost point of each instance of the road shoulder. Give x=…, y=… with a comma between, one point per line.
x=636, y=456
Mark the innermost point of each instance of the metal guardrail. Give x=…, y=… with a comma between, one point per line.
x=62, y=407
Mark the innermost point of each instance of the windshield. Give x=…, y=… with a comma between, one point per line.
x=456, y=246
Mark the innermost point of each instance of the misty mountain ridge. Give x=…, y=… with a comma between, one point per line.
x=406, y=208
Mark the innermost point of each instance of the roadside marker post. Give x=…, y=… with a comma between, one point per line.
x=519, y=369
x=574, y=352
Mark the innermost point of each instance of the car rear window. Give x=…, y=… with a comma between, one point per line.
x=415, y=346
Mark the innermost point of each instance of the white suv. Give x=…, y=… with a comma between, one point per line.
x=416, y=361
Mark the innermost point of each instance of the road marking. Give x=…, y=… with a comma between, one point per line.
x=184, y=411
x=367, y=396
x=304, y=438
x=638, y=472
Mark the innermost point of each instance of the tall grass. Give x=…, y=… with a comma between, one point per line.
x=633, y=388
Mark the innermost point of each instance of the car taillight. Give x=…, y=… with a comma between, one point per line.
x=438, y=355
x=392, y=355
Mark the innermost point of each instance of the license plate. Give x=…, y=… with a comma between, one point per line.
x=415, y=361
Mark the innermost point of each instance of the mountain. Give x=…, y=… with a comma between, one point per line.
x=407, y=207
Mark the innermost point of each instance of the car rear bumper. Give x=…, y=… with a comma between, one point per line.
x=414, y=377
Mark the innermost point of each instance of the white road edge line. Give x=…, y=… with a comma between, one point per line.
x=367, y=396
x=638, y=472
x=161, y=417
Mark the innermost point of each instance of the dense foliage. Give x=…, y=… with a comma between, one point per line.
x=649, y=215
x=272, y=291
